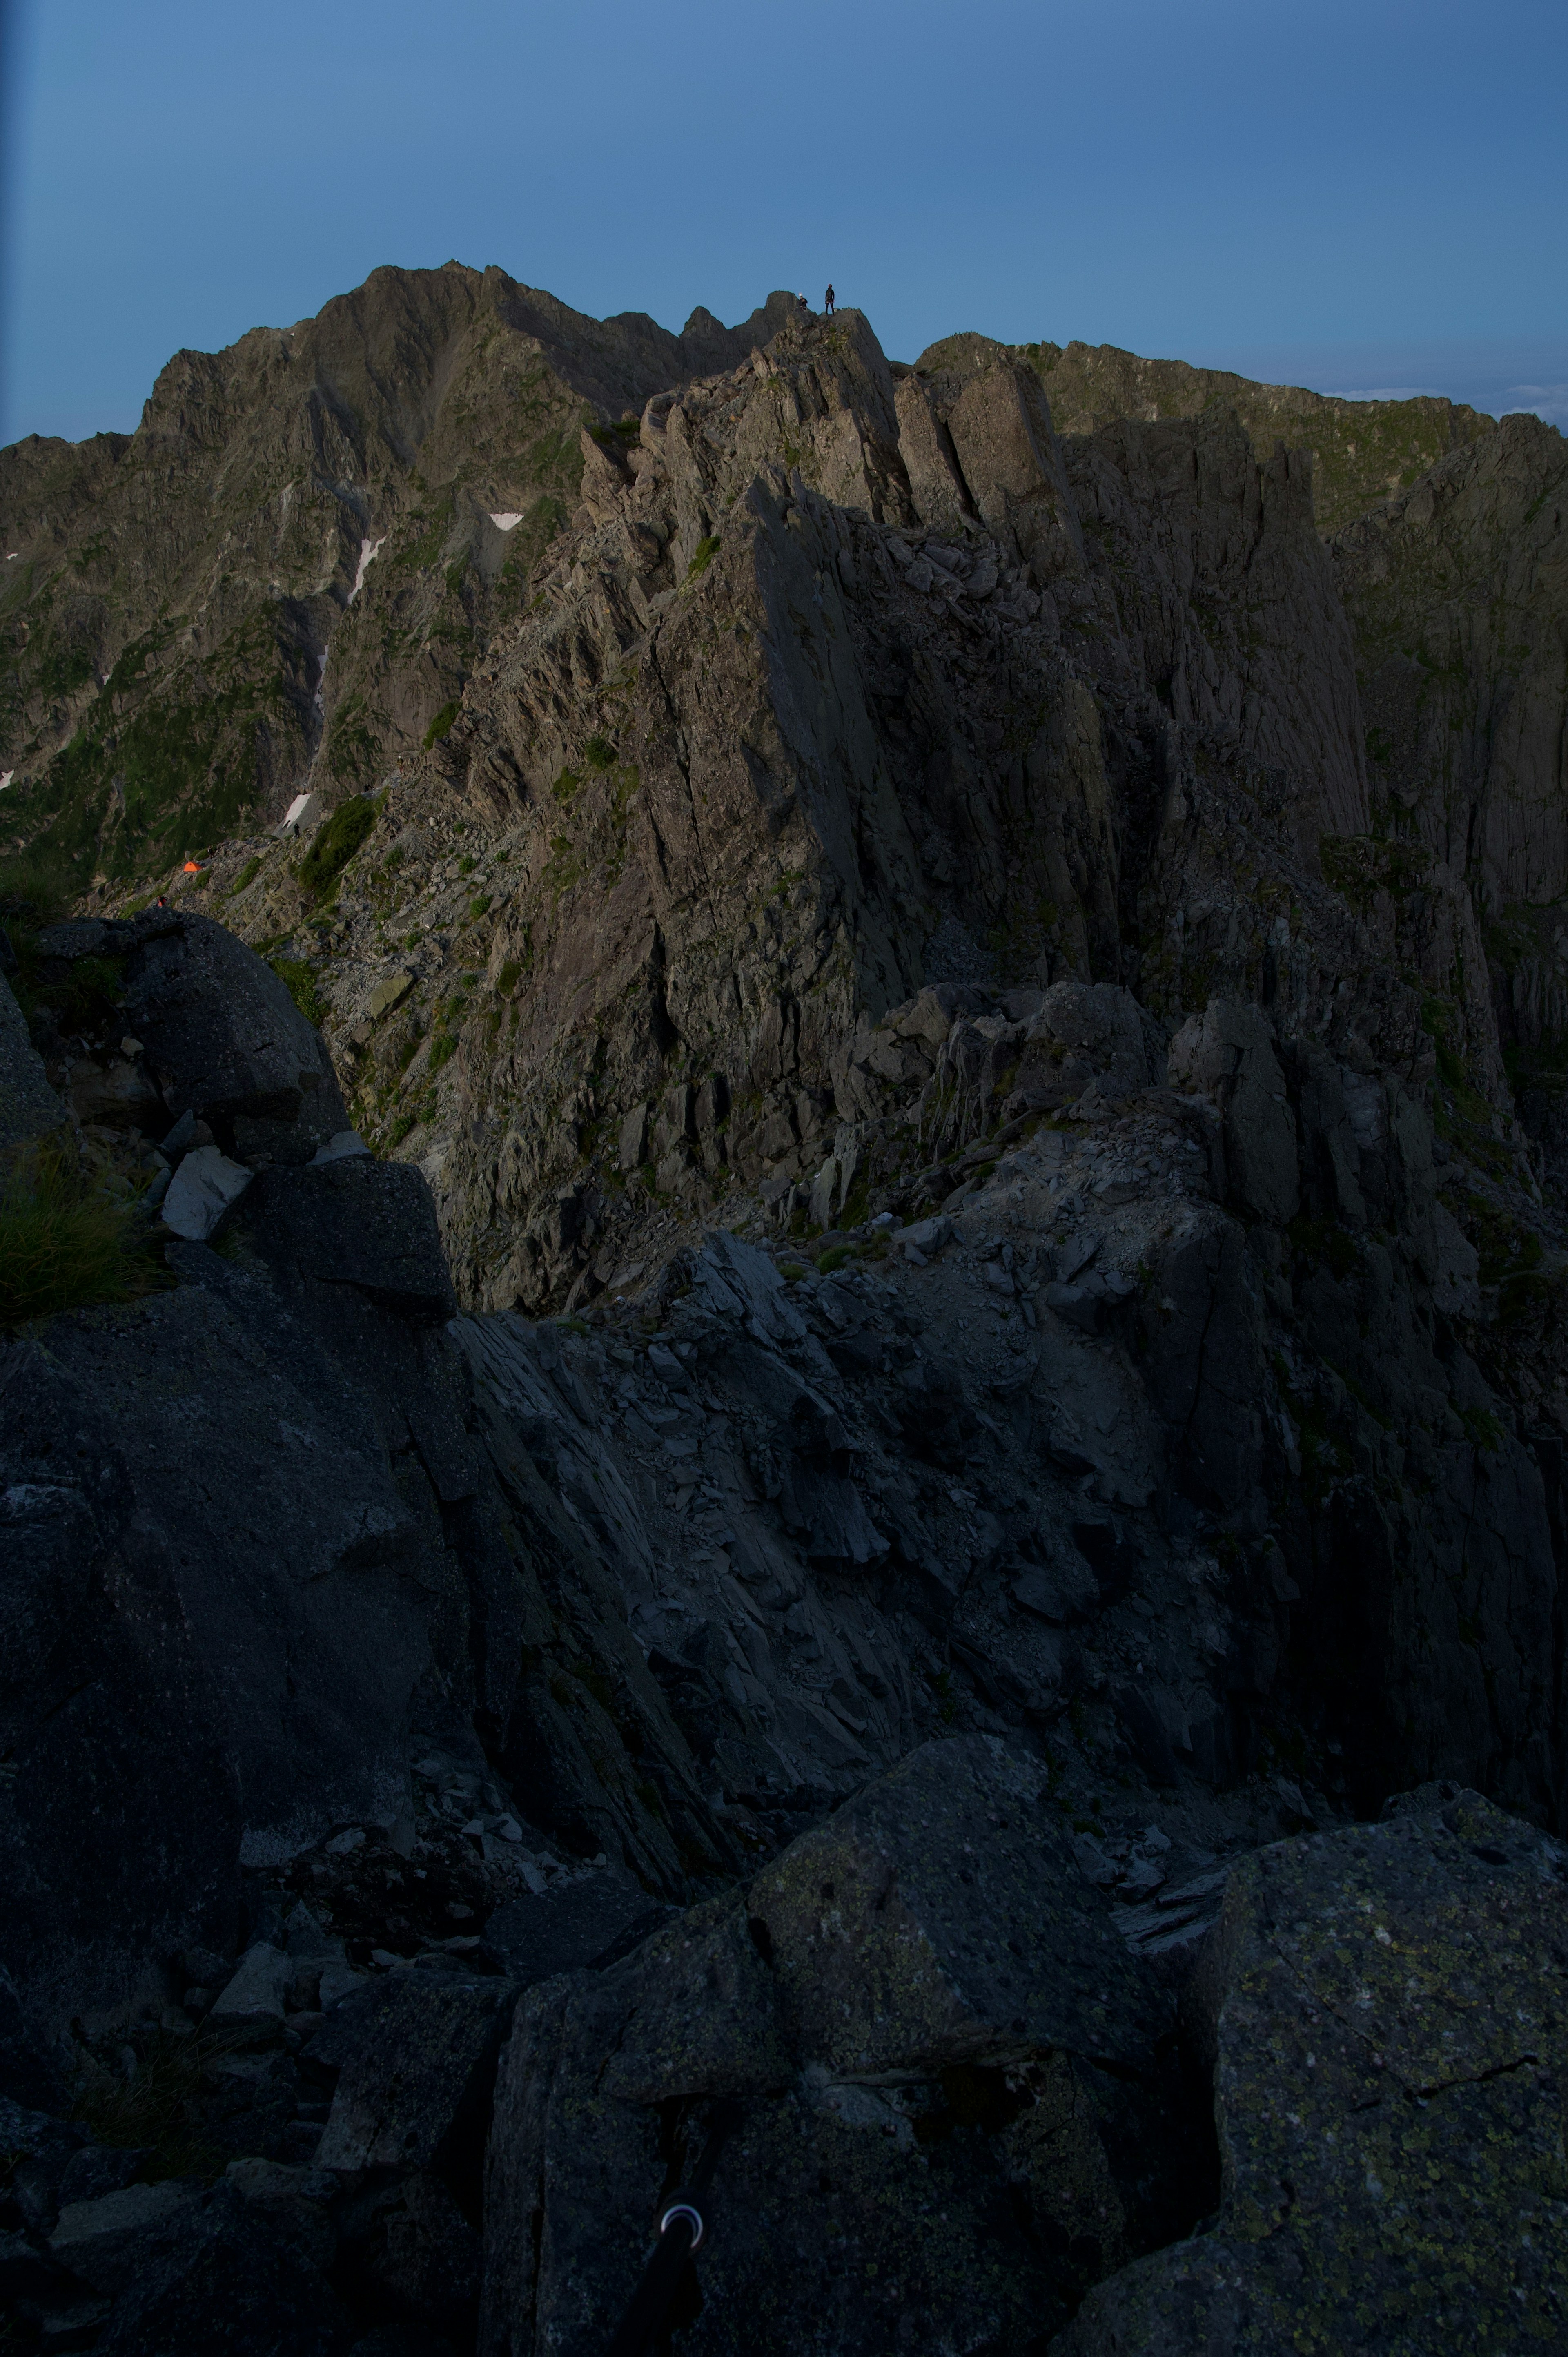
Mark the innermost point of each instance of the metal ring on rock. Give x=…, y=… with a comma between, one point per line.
x=683, y=2210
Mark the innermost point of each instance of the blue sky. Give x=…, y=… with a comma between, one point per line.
x=1362, y=197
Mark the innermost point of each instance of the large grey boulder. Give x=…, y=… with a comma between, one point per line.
x=578, y=1921
x=219, y=2275
x=261, y=1464
x=1387, y=2011
x=353, y=1220
x=935, y=1920
x=944, y=2060
x=104, y=2242
x=415, y=2058
x=228, y=1043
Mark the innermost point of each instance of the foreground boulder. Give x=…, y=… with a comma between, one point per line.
x=955, y=2092
x=1388, y=2010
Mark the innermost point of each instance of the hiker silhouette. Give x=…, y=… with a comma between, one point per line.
x=828, y=303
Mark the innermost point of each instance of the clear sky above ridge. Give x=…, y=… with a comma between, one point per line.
x=1366, y=196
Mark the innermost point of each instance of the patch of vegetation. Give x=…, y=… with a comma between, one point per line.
x=1360, y=866
x=31, y=889
x=599, y=755
x=1486, y=1430
x=66, y=1245
x=334, y=844
x=1322, y=1242
x=442, y=1048
x=441, y=723
x=1507, y=1248
x=563, y=868
x=158, y=2110
x=248, y=875
x=479, y=905
x=835, y=1258
x=298, y=978
x=706, y=550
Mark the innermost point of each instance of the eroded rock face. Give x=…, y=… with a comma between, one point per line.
x=1386, y=2009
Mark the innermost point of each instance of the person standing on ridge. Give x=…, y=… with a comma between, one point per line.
x=828, y=303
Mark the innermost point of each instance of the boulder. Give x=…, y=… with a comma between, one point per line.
x=254, y=1999
x=105, y=2241
x=1228, y=1054
x=227, y=1041
x=217, y=2278
x=42, y=2154
x=909, y=2016
x=1385, y=2005
x=293, y=2202
x=581, y=1919
x=1101, y=1025
x=259, y=1462
x=119, y=1840
x=350, y=1220
x=415, y=2058
x=201, y=1191
x=935, y=1919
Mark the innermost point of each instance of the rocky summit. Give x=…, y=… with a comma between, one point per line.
x=783, y=1398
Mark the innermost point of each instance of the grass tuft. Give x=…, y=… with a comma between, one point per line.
x=64, y=1244
x=160, y=2109
x=334, y=844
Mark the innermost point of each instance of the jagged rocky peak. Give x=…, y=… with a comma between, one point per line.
x=846, y=1350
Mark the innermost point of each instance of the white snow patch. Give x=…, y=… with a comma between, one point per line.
x=506, y=523
x=5, y=779
x=368, y=549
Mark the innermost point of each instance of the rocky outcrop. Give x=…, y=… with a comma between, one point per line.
x=948, y=2090
x=1384, y=2009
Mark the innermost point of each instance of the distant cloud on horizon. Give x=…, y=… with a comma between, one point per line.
x=1547, y=401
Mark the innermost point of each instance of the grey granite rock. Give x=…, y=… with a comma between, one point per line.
x=104, y=2241
x=937, y=1919
x=1387, y=2016
x=575, y=1922
x=416, y=2059
x=227, y=1041
x=895, y=2012
x=217, y=2276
